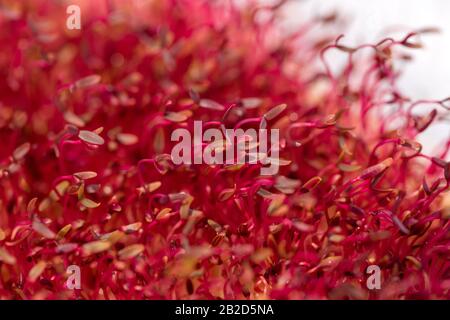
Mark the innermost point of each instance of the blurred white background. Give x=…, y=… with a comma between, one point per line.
x=428, y=75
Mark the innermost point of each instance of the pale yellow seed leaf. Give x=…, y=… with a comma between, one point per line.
x=85, y=175
x=331, y=262
x=43, y=230
x=265, y=193
x=275, y=111
x=379, y=235
x=153, y=186
x=183, y=267
x=226, y=194
x=446, y=213
x=72, y=118
x=99, y=130
x=261, y=254
x=88, y=203
x=66, y=247
x=336, y=238
x=211, y=104
x=414, y=260
x=164, y=214
x=184, y=209
x=275, y=204
x=127, y=139
x=132, y=227
x=279, y=162
x=77, y=224
x=327, y=263
x=213, y=224
x=303, y=227
x=88, y=81
x=131, y=251
x=80, y=191
x=6, y=257
x=113, y=237
x=233, y=167
x=15, y=231
x=62, y=187
x=45, y=204
x=21, y=151
x=62, y=233
x=251, y=103
x=176, y=116
x=263, y=123
x=32, y=205
x=187, y=113
x=376, y=169
x=159, y=140
x=280, y=211
x=90, y=137
x=311, y=184
x=348, y=167
x=95, y=247
x=53, y=195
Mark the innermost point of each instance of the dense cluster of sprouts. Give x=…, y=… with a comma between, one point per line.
x=86, y=176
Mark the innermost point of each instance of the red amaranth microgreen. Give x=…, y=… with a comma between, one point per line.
x=87, y=177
